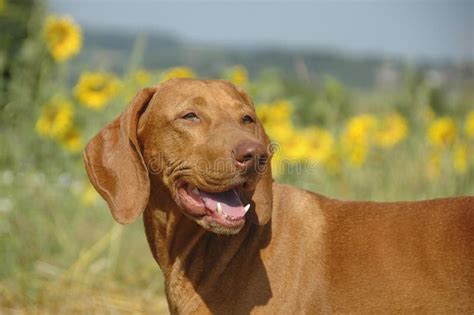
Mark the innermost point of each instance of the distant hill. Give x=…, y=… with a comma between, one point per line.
x=113, y=49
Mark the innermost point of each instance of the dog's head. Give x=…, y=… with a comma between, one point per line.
x=201, y=140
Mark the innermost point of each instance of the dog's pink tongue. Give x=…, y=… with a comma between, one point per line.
x=230, y=202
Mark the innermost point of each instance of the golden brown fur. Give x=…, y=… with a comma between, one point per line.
x=298, y=252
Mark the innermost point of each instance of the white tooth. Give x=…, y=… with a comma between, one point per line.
x=195, y=190
x=247, y=207
x=219, y=208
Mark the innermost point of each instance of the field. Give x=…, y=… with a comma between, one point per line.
x=61, y=251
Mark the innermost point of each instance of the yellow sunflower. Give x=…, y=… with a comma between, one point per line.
x=442, y=132
x=178, y=72
x=469, y=125
x=264, y=113
x=55, y=118
x=72, y=140
x=297, y=147
x=276, y=117
x=357, y=138
x=63, y=37
x=321, y=143
x=359, y=128
x=95, y=89
x=393, y=129
x=238, y=75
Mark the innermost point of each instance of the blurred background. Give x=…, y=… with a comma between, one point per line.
x=364, y=100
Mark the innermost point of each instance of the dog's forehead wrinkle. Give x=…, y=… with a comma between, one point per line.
x=191, y=99
x=243, y=106
x=199, y=100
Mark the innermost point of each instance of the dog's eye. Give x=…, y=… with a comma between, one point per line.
x=247, y=119
x=191, y=117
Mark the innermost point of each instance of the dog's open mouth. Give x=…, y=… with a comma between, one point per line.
x=223, y=208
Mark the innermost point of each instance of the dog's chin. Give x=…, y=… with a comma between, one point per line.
x=217, y=228
x=221, y=212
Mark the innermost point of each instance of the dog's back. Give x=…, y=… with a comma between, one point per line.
x=399, y=256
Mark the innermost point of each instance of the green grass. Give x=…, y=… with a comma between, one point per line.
x=61, y=257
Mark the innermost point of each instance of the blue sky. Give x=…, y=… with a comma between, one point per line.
x=411, y=29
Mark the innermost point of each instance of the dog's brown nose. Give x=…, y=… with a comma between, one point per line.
x=249, y=154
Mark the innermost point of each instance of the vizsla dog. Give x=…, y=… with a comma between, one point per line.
x=193, y=156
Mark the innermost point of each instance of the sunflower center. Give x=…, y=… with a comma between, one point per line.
x=51, y=113
x=98, y=86
x=58, y=34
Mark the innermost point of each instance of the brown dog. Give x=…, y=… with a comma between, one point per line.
x=193, y=155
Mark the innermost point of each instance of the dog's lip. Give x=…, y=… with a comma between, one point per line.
x=191, y=199
x=229, y=223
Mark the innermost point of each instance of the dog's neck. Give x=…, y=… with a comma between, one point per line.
x=185, y=251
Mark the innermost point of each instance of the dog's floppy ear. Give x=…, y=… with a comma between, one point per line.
x=262, y=197
x=115, y=165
